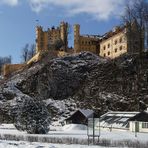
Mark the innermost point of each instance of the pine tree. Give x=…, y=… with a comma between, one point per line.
x=32, y=116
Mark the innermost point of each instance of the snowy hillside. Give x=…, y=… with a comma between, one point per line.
x=79, y=81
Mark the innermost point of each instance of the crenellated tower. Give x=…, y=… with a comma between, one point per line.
x=76, y=37
x=64, y=28
x=41, y=39
x=39, y=34
x=46, y=38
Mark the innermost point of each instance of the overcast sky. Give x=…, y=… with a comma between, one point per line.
x=18, y=19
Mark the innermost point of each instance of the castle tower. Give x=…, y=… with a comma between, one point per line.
x=39, y=32
x=76, y=37
x=64, y=34
x=41, y=39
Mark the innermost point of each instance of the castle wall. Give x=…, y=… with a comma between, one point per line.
x=35, y=58
x=85, y=43
x=114, y=46
x=53, y=35
x=89, y=44
x=8, y=69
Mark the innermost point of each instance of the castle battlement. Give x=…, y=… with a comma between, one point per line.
x=50, y=36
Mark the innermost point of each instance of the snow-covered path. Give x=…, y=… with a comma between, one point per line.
x=22, y=144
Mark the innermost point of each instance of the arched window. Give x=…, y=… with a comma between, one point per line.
x=115, y=42
x=104, y=47
x=120, y=47
x=120, y=40
x=108, y=45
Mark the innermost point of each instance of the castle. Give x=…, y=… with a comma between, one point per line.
x=46, y=38
x=110, y=45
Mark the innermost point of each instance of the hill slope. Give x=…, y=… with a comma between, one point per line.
x=80, y=81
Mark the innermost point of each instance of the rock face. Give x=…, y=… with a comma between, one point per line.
x=61, y=78
x=83, y=81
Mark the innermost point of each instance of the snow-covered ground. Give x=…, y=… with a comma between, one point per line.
x=64, y=135
x=22, y=144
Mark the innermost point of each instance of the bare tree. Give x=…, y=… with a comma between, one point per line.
x=56, y=45
x=127, y=19
x=3, y=61
x=31, y=51
x=25, y=52
x=135, y=19
x=28, y=52
x=140, y=9
x=146, y=25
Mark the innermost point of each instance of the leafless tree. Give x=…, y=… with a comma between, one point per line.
x=25, y=52
x=146, y=25
x=56, y=45
x=31, y=51
x=3, y=61
x=136, y=20
x=28, y=52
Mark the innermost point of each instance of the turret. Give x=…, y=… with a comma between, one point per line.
x=76, y=37
x=39, y=31
x=64, y=34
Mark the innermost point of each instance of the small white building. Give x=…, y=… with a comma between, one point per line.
x=139, y=123
x=115, y=120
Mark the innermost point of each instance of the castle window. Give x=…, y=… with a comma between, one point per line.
x=120, y=47
x=104, y=55
x=109, y=53
x=115, y=42
x=104, y=47
x=115, y=49
x=108, y=45
x=85, y=42
x=120, y=40
x=82, y=42
x=89, y=43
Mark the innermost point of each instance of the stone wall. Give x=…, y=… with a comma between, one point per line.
x=85, y=42
x=8, y=69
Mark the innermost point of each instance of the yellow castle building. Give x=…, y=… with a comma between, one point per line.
x=112, y=44
x=46, y=38
x=85, y=42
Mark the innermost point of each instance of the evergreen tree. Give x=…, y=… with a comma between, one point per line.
x=32, y=116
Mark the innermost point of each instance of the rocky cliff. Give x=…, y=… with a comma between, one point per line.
x=80, y=81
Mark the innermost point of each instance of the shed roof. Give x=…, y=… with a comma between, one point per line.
x=142, y=116
x=116, y=119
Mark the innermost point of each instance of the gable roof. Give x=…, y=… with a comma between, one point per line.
x=142, y=116
x=116, y=119
x=86, y=112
